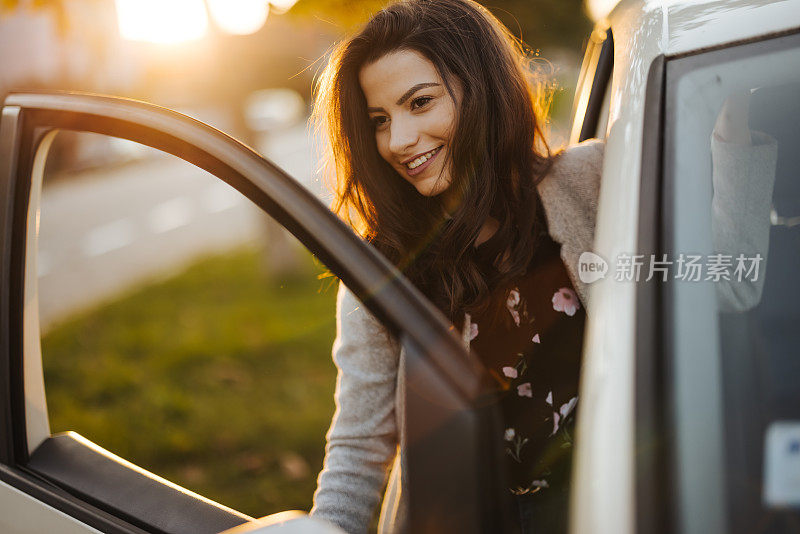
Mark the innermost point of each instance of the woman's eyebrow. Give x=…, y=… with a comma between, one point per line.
x=406, y=95
x=413, y=90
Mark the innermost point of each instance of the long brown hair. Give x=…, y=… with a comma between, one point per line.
x=498, y=153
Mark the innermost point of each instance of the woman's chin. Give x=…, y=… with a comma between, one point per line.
x=426, y=192
x=433, y=186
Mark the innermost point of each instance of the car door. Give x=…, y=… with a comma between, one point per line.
x=66, y=483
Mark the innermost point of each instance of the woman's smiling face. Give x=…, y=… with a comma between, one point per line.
x=414, y=117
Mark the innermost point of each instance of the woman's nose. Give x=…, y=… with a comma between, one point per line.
x=402, y=136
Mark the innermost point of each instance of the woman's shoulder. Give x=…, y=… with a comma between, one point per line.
x=579, y=162
x=574, y=176
x=569, y=194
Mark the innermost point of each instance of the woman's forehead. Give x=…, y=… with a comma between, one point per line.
x=389, y=77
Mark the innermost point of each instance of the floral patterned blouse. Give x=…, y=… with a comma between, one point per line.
x=532, y=347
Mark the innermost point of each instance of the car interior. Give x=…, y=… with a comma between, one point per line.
x=760, y=365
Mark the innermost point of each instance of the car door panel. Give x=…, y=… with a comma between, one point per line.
x=36, y=507
x=18, y=508
x=98, y=476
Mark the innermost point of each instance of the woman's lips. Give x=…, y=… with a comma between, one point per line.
x=417, y=170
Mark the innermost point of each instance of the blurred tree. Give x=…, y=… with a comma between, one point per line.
x=56, y=7
x=13, y=4
x=542, y=24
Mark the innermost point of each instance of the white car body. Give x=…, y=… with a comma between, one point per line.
x=604, y=488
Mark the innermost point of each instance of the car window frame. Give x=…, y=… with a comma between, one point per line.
x=440, y=356
x=593, y=87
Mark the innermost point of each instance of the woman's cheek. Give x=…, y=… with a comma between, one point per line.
x=381, y=143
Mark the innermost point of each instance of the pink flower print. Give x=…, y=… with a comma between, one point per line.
x=567, y=407
x=473, y=331
x=509, y=435
x=510, y=372
x=562, y=412
x=556, y=419
x=540, y=484
x=549, y=399
x=512, y=302
x=524, y=390
x=513, y=299
x=536, y=339
x=565, y=300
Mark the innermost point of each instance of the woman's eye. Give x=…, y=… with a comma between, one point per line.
x=420, y=101
x=379, y=121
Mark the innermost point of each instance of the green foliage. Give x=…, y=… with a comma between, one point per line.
x=346, y=15
x=542, y=24
x=216, y=379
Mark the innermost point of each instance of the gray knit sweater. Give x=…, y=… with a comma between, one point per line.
x=366, y=438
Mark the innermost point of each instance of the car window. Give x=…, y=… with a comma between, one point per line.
x=593, y=91
x=733, y=334
x=181, y=327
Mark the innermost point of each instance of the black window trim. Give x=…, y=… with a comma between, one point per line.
x=600, y=78
x=652, y=485
x=9, y=126
x=373, y=280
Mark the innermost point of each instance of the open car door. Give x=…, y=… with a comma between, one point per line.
x=66, y=483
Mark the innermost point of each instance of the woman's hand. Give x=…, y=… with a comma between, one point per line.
x=732, y=122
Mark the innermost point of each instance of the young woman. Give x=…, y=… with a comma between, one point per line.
x=440, y=163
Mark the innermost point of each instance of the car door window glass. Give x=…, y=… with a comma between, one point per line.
x=182, y=328
x=735, y=342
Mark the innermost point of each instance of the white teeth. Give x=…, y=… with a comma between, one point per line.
x=422, y=159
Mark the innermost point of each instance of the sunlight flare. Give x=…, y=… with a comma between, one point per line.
x=162, y=21
x=239, y=17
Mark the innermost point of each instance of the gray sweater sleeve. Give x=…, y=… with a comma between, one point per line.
x=362, y=440
x=743, y=177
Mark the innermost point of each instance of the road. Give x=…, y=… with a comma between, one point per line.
x=108, y=230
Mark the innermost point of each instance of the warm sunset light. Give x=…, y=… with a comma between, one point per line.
x=162, y=21
x=599, y=9
x=282, y=6
x=239, y=17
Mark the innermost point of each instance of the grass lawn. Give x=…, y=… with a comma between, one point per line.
x=218, y=379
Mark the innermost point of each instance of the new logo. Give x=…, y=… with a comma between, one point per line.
x=591, y=267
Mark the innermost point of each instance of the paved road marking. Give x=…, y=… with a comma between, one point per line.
x=170, y=215
x=106, y=238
